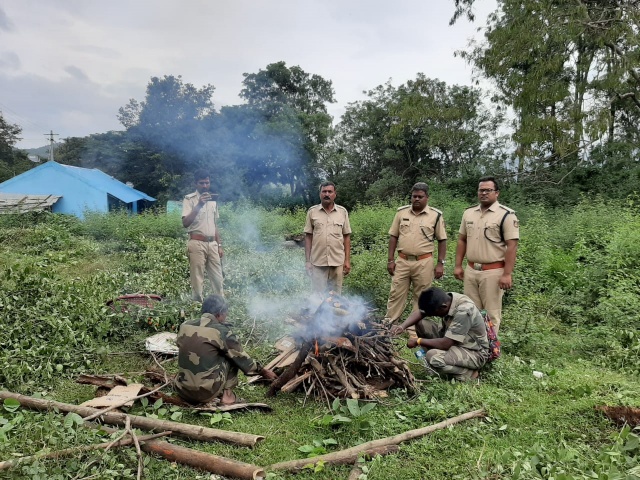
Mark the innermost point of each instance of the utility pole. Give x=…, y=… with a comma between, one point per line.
x=51, y=143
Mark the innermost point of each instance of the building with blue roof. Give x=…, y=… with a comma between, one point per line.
x=80, y=189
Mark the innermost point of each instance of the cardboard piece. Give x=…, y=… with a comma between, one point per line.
x=115, y=397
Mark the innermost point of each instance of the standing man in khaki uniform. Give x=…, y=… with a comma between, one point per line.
x=199, y=217
x=489, y=234
x=414, y=230
x=327, y=242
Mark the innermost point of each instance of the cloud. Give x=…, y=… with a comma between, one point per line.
x=9, y=61
x=76, y=73
x=5, y=22
x=108, y=51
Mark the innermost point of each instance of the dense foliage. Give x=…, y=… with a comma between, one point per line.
x=572, y=315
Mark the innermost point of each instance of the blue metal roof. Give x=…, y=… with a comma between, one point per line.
x=108, y=184
x=92, y=177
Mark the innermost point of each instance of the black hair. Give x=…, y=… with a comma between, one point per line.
x=490, y=179
x=200, y=175
x=215, y=305
x=421, y=186
x=432, y=299
x=328, y=184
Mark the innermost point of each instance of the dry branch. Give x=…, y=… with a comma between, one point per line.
x=353, y=452
x=342, y=457
x=75, y=451
x=190, y=431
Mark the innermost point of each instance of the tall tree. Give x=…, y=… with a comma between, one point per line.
x=421, y=130
x=167, y=133
x=295, y=123
x=12, y=162
x=568, y=68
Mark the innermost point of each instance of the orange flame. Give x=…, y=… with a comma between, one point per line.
x=317, y=348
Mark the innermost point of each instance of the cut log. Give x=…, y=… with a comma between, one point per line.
x=292, y=384
x=194, y=432
x=343, y=379
x=201, y=460
x=290, y=372
x=205, y=461
x=353, y=452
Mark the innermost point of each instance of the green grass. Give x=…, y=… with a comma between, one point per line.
x=567, y=317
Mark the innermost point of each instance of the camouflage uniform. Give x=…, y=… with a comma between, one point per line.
x=209, y=358
x=465, y=325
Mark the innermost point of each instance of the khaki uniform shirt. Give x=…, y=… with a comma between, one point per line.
x=484, y=242
x=328, y=229
x=205, y=221
x=416, y=232
x=465, y=325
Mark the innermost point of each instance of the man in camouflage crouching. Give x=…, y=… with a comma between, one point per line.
x=209, y=356
x=459, y=347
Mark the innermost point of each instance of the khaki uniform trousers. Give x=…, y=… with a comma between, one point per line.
x=418, y=273
x=324, y=279
x=483, y=287
x=457, y=361
x=204, y=256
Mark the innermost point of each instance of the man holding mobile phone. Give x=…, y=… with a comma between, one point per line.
x=204, y=247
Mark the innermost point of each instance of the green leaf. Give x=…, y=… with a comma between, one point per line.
x=340, y=419
x=367, y=407
x=72, y=419
x=353, y=406
x=11, y=404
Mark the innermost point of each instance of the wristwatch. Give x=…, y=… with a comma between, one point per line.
x=442, y=262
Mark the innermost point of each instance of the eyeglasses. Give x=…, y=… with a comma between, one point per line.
x=486, y=190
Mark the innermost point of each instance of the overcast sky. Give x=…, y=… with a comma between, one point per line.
x=68, y=65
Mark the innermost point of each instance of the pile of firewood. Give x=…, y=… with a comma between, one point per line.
x=340, y=351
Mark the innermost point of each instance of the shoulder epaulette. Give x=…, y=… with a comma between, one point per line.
x=191, y=195
x=404, y=207
x=510, y=210
x=343, y=208
x=436, y=210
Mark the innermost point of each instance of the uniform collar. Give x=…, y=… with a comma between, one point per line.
x=212, y=318
x=424, y=210
x=493, y=207
x=455, y=300
x=335, y=207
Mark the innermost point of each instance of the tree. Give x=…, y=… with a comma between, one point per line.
x=421, y=130
x=568, y=68
x=165, y=134
x=295, y=125
x=9, y=135
x=12, y=162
